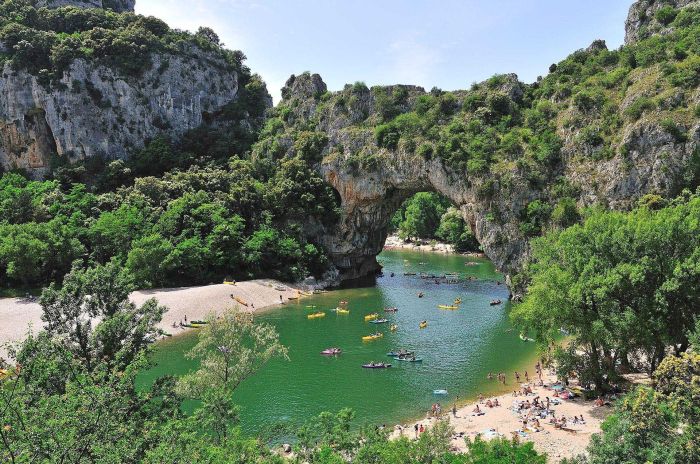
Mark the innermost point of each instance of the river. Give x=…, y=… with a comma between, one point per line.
x=458, y=348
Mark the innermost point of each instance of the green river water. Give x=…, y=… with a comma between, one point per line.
x=458, y=348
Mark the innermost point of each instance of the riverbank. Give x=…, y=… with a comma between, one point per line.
x=19, y=316
x=506, y=420
x=394, y=242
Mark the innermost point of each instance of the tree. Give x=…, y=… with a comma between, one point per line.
x=209, y=35
x=422, y=215
x=453, y=230
x=624, y=285
x=91, y=315
x=231, y=348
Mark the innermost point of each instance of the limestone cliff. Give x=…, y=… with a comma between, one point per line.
x=99, y=112
x=645, y=18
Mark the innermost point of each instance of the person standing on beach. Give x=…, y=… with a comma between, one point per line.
x=517, y=376
x=415, y=428
x=454, y=410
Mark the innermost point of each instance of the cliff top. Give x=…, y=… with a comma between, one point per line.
x=119, y=6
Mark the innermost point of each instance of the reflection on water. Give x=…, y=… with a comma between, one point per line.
x=458, y=348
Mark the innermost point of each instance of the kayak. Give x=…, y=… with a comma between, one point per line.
x=422, y=325
x=226, y=282
x=240, y=300
x=316, y=315
x=376, y=366
x=396, y=354
x=371, y=317
x=375, y=336
x=495, y=302
x=407, y=359
x=452, y=308
x=342, y=311
x=379, y=321
x=391, y=310
x=393, y=327
x=310, y=306
x=199, y=322
x=331, y=351
x=439, y=392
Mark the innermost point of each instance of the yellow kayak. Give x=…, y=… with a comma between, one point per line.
x=316, y=315
x=451, y=308
x=371, y=317
x=375, y=336
x=226, y=282
x=240, y=300
x=422, y=325
x=342, y=311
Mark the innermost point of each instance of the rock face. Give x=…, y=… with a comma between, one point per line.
x=119, y=6
x=642, y=20
x=98, y=112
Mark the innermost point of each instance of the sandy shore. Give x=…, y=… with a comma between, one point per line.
x=18, y=316
x=504, y=421
x=394, y=242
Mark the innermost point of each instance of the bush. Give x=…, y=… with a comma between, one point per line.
x=666, y=14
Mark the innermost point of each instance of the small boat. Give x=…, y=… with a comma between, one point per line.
x=374, y=365
x=409, y=273
x=412, y=359
x=316, y=315
x=199, y=322
x=296, y=297
x=495, y=302
x=451, y=308
x=342, y=311
x=524, y=338
x=240, y=300
x=374, y=336
x=379, y=321
x=393, y=327
x=280, y=288
x=396, y=354
x=310, y=306
x=423, y=325
x=331, y=351
x=439, y=392
x=342, y=302
x=371, y=317
x=391, y=310
x=229, y=282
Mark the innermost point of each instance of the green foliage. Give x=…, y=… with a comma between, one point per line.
x=455, y=231
x=421, y=215
x=624, y=285
x=666, y=14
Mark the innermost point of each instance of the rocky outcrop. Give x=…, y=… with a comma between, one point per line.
x=95, y=111
x=644, y=19
x=653, y=161
x=119, y=6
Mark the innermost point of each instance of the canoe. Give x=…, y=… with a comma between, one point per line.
x=331, y=351
x=407, y=359
x=371, y=317
x=316, y=315
x=342, y=311
x=376, y=366
x=379, y=321
x=451, y=308
x=396, y=354
x=369, y=338
x=240, y=300
x=422, y=325
x=439, y=392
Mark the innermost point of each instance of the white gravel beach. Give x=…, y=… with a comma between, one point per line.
x=18, y=315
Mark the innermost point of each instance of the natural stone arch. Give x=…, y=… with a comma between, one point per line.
x=370, y=198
